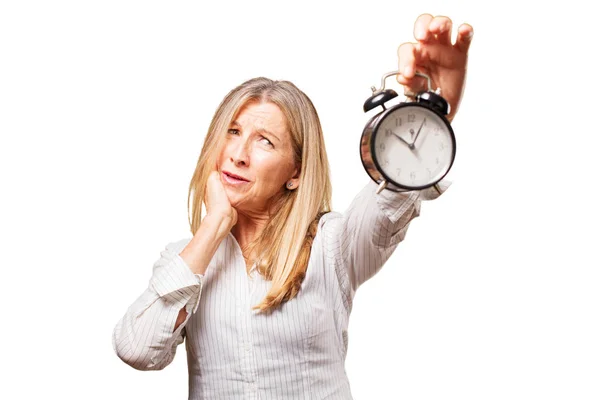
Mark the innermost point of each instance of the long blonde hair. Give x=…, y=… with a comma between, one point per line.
x=285, y=243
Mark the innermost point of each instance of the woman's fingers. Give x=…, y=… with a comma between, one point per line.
x=408, y=59
x=421, y=29
x=430, y=29
x=215, y=192
x=441, y=28
x=406, y=62
x=434, y=54
x=464, y=37
x=216, y=199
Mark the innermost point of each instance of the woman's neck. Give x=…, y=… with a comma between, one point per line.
x=247, y=229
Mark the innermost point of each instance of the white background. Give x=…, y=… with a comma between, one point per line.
x=103, y=110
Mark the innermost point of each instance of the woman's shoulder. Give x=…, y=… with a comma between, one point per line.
x=329, y=216
x=328, y=221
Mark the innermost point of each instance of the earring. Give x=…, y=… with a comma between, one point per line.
x=290, y=184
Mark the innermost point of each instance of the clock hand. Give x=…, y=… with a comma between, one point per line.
x=419, y=131
x=403, y=141
x=416, y=153
x=411, y=146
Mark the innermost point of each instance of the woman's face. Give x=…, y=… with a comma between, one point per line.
x=257, y=160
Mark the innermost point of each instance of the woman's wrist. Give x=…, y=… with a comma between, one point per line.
x=218, y=223
x=205, y=242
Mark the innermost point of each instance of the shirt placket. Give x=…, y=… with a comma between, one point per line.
x=249, y=373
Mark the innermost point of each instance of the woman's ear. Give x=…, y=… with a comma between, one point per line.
x=294, y=181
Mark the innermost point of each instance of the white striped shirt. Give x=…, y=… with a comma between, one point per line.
x=297, y=352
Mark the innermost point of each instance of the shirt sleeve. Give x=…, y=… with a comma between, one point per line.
x=361, y=240
x=144, y=338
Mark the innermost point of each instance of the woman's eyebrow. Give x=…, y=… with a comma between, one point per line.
x=259, y=130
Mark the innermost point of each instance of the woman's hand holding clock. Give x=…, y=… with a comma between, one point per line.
x=435, y=55
x=422, y=124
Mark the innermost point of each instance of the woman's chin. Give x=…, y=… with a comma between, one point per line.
x=236, y=199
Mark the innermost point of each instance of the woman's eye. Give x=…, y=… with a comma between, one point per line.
x=266, y=141
x=233, y=131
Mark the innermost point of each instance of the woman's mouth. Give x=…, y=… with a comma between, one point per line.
x=233, y=179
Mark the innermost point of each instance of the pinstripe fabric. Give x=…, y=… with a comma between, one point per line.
x=298, y=351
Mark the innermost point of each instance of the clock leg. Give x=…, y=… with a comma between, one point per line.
x=382, y=186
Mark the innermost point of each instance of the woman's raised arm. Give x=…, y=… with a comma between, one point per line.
x=362, y=239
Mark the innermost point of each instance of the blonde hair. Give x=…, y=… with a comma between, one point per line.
x=284, y=245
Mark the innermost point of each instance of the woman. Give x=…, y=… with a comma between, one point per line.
x=263, y=290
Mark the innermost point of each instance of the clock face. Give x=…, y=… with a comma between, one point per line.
x=413, y=146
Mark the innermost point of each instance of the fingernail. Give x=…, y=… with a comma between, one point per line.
x=407, y=70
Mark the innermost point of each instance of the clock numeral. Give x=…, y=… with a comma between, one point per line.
x=386, y=162
x=441, y=146
x=382, y=147
x=413, y=175
x=398, y=170
x=398, y=121
x=411, y=117
x=437, y=160
x=429, y=171
x=388, y=132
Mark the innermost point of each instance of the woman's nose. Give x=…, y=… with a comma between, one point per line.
x=240, y=154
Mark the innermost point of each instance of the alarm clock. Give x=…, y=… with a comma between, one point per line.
x=409, y=145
